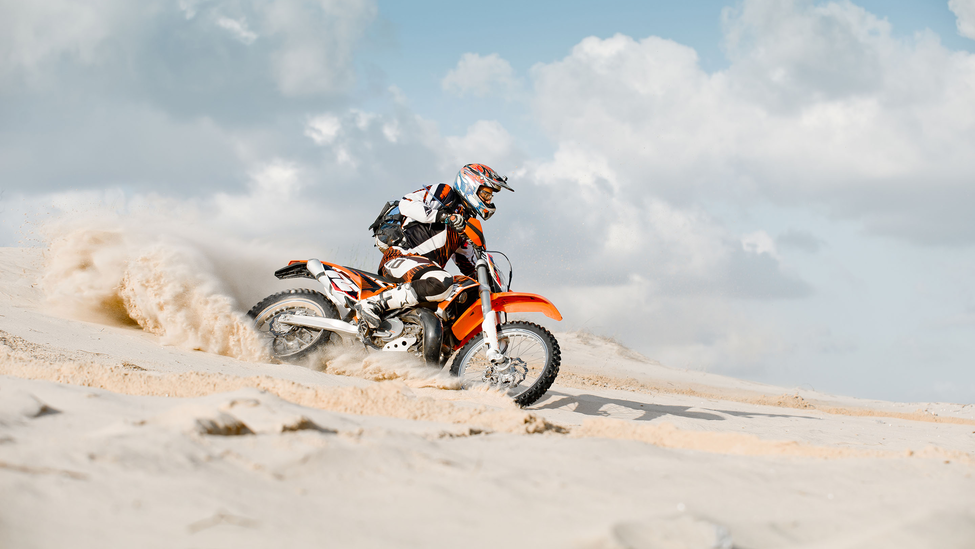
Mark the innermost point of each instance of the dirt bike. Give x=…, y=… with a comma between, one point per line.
x=471, y=324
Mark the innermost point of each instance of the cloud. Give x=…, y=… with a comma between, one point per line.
x=584, y=224
x=33, y=34
x=306, y=48
x=128, y=145
x=398, y=147
x=789, y=55
x=486, y=142
x=965, y=11
x=695, y=332
x=273, y=195
x=184, y=97
x=821, y=105
x=382, y=148
x=315, y=43
x=758, y=242
x=323, y=129
x=799, y=240
x=480, y=76
x=238, y=28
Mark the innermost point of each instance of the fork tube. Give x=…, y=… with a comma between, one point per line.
x=490, y=323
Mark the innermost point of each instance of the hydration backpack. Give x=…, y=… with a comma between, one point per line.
x=388, y=227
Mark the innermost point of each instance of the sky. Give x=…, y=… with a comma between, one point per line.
x=776, y=190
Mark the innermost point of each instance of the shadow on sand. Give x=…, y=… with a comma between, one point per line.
x=592, y=405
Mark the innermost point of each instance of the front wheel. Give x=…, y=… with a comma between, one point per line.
x=286, y=342
x=530, y=348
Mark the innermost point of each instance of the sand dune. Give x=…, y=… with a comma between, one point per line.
x=135, y=410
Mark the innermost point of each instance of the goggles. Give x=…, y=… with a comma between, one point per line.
x=486, y=194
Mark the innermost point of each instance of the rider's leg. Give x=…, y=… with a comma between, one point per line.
x=423, y=280
x=372, y=309
x=433, y=285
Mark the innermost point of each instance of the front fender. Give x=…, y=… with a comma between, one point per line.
x=469, y=323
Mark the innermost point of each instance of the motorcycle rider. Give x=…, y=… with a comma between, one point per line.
x=434, y=220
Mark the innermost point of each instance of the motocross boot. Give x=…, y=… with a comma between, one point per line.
x=372, y=309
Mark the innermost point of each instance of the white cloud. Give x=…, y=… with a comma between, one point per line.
x=316, y=43
x=188, y=7
x=965, y=11
x=590, y=171
x=799, y=240
x=35, y=33
x=700, y=333
x=397, y=95
x=278, y=178
x=681, y=242
x=388, y=148
x=237, y=28
x=821, y=105
x=197, y=113
x=305, y=49
x=273, y=194
x=480, y=76
x=793, y=54
x=583, y=208
x=759, y=242
x=486, y=142
x=323, y=129
x=363, y=119
x=391, y=131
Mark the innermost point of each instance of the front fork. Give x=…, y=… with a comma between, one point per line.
x=490, y=323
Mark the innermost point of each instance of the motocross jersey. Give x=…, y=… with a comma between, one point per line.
x=425, y=236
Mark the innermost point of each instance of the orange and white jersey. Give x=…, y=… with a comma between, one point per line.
x=425, y=236
x=422, y=206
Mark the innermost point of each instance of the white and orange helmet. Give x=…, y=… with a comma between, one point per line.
x=476, y=185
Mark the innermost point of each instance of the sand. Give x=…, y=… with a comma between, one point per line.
x=136, y=410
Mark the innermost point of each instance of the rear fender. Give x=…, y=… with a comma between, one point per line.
x=295, y=269
x=468, y=324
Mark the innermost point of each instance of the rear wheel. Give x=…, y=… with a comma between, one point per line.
x=292, y=343
x=531, y=349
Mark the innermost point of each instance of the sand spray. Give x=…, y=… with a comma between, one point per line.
x=191, y=284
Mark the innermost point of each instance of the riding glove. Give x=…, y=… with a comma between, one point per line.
x=454, y=221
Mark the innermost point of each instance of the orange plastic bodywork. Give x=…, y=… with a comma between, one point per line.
x=367, y=286
x=468, y=324
x=474, y=232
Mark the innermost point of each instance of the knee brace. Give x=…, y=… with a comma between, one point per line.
x=434, y=286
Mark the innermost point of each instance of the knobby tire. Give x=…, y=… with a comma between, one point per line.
x=549, y=371
x=309, y=300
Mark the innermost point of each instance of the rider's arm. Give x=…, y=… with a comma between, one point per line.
x=423, y=205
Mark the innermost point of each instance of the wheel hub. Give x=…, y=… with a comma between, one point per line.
x=278, y=328
x=508, y=374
